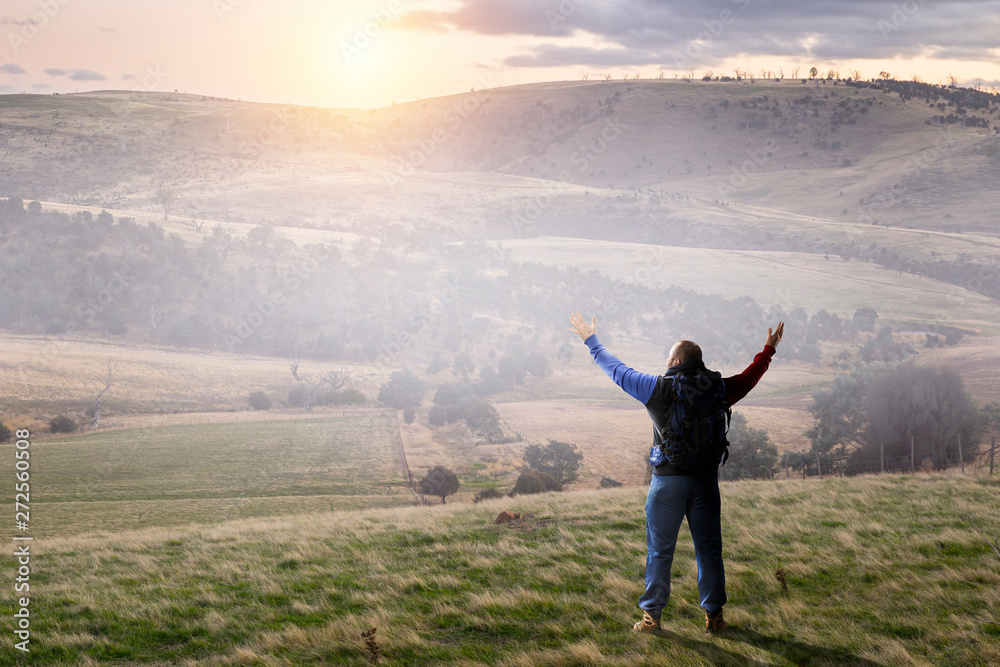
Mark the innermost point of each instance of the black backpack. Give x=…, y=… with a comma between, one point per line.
x=694, y=434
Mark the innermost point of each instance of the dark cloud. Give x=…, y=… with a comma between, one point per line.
x=86, y=75
x=11, y=68
x=55, y=72
x=670, y=33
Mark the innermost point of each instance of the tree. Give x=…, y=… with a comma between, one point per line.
x=483, y=420
x=463, y=364
x=404, y=390
x=96, y=409
x=313, y=384
x=561, y=460
x=62, y=424
x=538, y=365
x=167, y=197
x=928, y=404
x=752, y=455
x=813, y=72
x=841, y=419
x=5, y=433
x=439, y=481
x=409, y=414
x=437, y=416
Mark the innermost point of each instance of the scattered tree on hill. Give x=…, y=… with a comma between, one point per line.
x=439, y=481
x=561, y=460
x=404, y=390
x=463, y=364
x=752, y=455
x=167, y=197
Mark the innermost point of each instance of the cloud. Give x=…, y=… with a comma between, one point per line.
x=11, y=68
x=107, y=29
x=86, y=75
x=55, y=72
x=671, y=33
x=40, y=86
x=5, y=89
x=128, y=77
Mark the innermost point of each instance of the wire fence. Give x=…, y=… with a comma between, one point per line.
x=895, y=462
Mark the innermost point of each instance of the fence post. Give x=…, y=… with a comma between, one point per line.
x=881, y=455
x=961, y=461
x=911, y=454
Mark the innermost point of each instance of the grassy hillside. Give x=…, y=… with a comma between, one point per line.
x=879, y=571
x=176, y=475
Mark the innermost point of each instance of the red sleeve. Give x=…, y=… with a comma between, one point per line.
x=740, y=385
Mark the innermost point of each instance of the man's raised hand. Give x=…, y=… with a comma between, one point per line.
x=580, y=326
x=774, y=338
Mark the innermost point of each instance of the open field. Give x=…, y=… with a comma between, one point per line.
x=175, y=475
x=788, y=279
x=879, y=571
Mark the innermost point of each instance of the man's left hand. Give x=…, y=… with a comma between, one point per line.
x=580, y=326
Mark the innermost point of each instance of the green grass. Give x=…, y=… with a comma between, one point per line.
x=122, y=480
x=880, y=571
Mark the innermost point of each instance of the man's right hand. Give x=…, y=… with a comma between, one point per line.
x=774, y=338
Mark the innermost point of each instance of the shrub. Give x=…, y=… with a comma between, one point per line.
x=487, y=494
x=608, y=483
x=534, y=481
x=258, y=400
x=409, y=414
x=5, y=433
x=296, y=397
x=62, y=424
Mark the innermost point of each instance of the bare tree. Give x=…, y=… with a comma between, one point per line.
x=952, y=81
x=690, y=74
x=96, y=420
x=314, y=384
x=781, y=72
x=660, y=75
x=585, y=75
x=709, y=73
x=607, y=77
x=167, y=197
x=856, y=74
x=795, y=72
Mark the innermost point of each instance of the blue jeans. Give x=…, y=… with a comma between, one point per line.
x=670, y=499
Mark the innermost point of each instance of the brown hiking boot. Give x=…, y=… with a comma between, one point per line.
x=714, y=623
x=647, y=624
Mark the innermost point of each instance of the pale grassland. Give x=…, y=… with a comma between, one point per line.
x=51, y=374
x=788, y=279
x=121, y=480
x=880, y=571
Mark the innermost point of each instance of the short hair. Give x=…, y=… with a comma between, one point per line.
x=686, y=350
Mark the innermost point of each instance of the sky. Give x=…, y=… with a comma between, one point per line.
x=371, y=53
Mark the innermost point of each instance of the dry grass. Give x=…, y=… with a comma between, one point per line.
x=879, y=571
